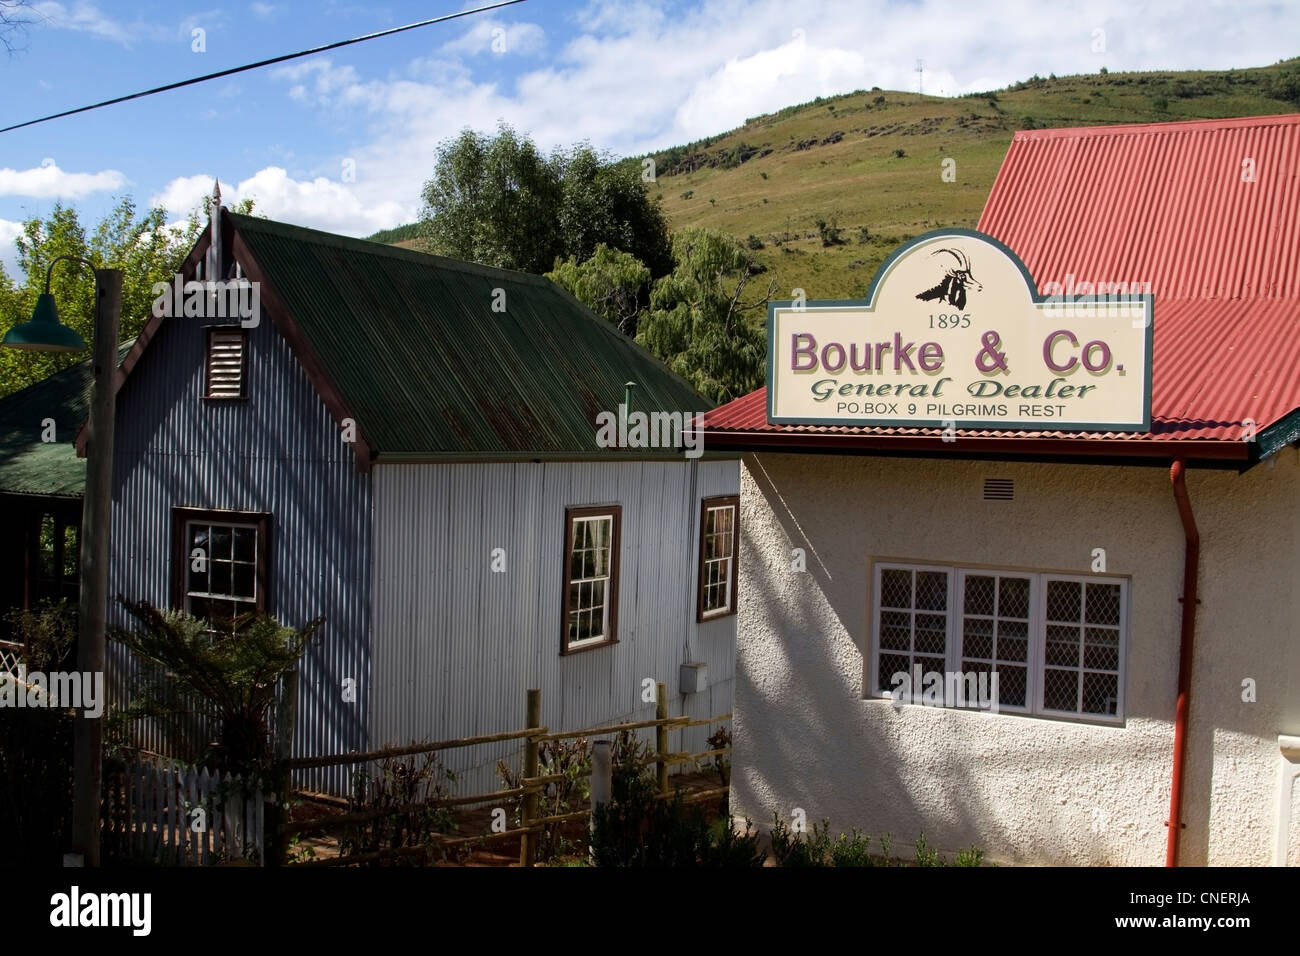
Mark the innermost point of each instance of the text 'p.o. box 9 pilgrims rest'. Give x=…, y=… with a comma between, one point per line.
x=953, y=334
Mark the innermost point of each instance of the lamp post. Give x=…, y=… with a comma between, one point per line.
x=45, y=333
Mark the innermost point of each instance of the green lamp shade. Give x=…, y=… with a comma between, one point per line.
x=44, y=333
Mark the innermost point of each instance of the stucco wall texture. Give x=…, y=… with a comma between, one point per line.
x=1024, y=789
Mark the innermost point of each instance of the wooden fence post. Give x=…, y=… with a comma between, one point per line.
x=661, y=734
x=601, y=787
x=527, y=840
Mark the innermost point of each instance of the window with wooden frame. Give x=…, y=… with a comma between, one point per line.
x=220, y=564
x=719, y=548
x=592, y=537
x=1056, y=642
x=225, y=363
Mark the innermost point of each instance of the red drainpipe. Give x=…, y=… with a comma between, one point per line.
x=1191, y=561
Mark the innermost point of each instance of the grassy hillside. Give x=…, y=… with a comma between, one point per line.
x=869, y=163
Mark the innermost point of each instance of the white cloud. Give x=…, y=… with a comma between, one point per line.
x=185, y=194
x=262, y=10
x=8, y=251
x=497, y=38
x=644, y=74
x=48, y=181
x=84, y=17
x=321, y=203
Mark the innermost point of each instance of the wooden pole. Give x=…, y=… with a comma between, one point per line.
x=661, y=735
x=96, y=521
x=528, y=842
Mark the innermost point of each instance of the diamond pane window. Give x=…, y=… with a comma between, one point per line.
x=1054, y=644
x=911, y=623
x=995, y=633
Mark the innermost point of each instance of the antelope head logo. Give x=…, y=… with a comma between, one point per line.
x=956, y=279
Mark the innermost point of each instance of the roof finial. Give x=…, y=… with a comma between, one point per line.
x=215, y=267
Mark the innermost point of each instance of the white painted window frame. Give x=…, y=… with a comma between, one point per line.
x=728, y=563
x=607, y=579
x=1037, y=633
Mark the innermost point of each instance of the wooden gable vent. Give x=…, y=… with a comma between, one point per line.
x=999, y=489
x=225, y=372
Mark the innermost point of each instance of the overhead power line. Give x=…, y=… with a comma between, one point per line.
x=261, y=63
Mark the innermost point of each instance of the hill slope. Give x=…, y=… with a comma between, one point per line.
x=870, y=163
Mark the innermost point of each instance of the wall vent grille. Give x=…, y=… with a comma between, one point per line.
x=999, y=489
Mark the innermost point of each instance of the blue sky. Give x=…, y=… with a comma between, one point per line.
x=626, y=76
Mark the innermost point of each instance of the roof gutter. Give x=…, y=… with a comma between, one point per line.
x=1191, y=562
x=1207, y=450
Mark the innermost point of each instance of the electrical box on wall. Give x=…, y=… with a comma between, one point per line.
x=694, y=677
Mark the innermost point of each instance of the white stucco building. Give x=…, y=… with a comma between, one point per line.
x=1059, y=560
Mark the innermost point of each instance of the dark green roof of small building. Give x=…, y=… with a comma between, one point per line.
x=431, y=370
x=30, y=466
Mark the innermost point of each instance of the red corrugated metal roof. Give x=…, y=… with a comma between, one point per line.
x=1169, y=204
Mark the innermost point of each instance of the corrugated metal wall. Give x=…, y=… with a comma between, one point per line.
x=456, y=646
x=280, y=452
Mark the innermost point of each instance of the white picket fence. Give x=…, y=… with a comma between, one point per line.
x=180, y=816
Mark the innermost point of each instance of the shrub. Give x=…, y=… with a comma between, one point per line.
x=721, y=738
x=48, y=633
x=879, y=100
x=973, y=856
x=852, y=849
x=830, y=232
x=1284, y=86
x=669, y=834
x=638, y=829
x=900, y=153
x=688, y=194
x=225, y=677
x=406, y=789
x=571, y=759
x=1160, y=103
x=808, y=848
x=754, y=242
x=924, y=855
x=35, y=783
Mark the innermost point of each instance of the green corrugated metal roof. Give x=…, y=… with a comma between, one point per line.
x=29, y=465
x=430, y=370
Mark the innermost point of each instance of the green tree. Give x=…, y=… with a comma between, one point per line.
x=699, y=322
x=143, y=246
x=493, y=200
x=228, y=676
x=607, y=203
x=497, y=200
x=613, y=284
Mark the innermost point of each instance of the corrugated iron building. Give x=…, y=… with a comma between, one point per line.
x=390, y=422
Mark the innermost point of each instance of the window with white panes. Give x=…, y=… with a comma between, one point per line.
x=1056, y=642
x=591, y=577
x=719, y=547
